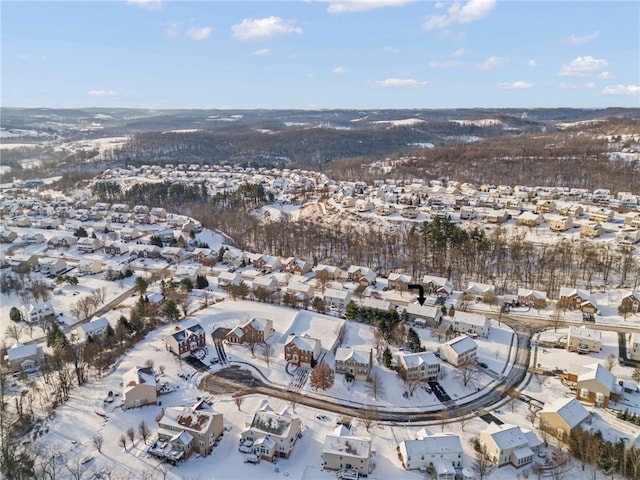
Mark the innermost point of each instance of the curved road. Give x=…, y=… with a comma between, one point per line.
x=238, y=381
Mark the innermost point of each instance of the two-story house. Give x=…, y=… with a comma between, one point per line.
x=302, y=351
x=353, y=363
x=272, y=435
x=419, y=366
x=184, y=342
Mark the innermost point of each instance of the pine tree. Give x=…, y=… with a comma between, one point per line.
x=387, y=357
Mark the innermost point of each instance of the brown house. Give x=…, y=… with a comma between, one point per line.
x=302, y=351
x=630, y=303
x=595, y=385
x=183, y=342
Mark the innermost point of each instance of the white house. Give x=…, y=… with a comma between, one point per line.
x=35, y=312
x=634, y=347
x=426, y=451
x=424, y=314
x=471, y=323
x=266, y=282
x=419, y=366
x=508, y=444
x=25, y=357
x=89, y=267
x=52, y=266
x=94, y=328
x=343, y=451
x=226, y=279
x=337, y=299
x=459, y=351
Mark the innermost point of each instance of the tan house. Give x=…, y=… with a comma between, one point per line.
x=497, y=216
x=572, y=210
x=343, y=451
x=591, y=229
x=399, y=281
x=546, y=206
x=89, y=267
x=530, y=219
x=459, y=351
x=139, y=387
x=508, y=444
x=630, y=302
x=601, y=215
x=296, y=266
x=437, y=285
x=633, y=350
x=430, y=451
x=332, y=272
x=271, y=434
x=561, y=224
x=423, y=315
x=302, y=351
x=419, y=366
x=632, y=220
x=562, y=416
x=353, y=363
x=183, y=430
x=584, y=340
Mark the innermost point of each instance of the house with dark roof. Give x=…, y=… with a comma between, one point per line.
x=302, y=351
x=184, y=342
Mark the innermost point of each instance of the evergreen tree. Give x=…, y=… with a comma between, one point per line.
x=387, y=357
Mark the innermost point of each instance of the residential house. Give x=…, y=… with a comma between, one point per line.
x=52, y=266
x=115, y=270
x=424, y=315
x=577, y=299
x=120, y=207
x=183, y=430
x=562, y=416
x=144, y=251
x=420, y=366
x=479, y=290
x=273, y=435
x=268, y=283
x=508, y=444
x=115, y=247
x=632, y=220
x=529, y=219
x=560, y=224
x=7, y=236
x=596, y=385
x=234, y=258
x=184, y=342
x=399, y=281
x=302, y=351
x=296, y=266
x=376, y=304
x=361, y=275
x=337, y=299
x=530, y=297
x=422, y=453
x=166, y=236
x=268, y=263
x=22, y=262
x=139, y=387
x=172, y=254
x=89, y=267
x=36, y=312
x=257, y=330
x=471, y=323
x=94, y=328
x=437, y=285
x=546, y=206
x=62, y=241
x=591, y=229
x=302, y=291
x=343, y=451
x=25, y=357
x=633, y=349
x=191, y=226
x=353, y=363
x=601, y=215
x=497, y=216
x=226, y=279
x=88, y=244
x=459, y=351
x=190, y=272
x=159, y=213
x=584, y=340
x=33, y=238
x=572, y=210
x=332, y=272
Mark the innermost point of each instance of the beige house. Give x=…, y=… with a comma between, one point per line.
x=561, y=224
x=271, y=434
x=437, y=285
x=530, y=219
x=430, y=451
x=89, y=267
x=634, y=348
x=423, y=315
x=399, y=281
x=343, y=451
x=459, y=351
x=508, y=444
x=596, y=385
x=584, y=340
x=562, y=416
x=419, y=366
x=632, y=219
x=183, y=430
x=332, y=272
x=591, y=229
x=354, y=363
x=139, y=387
x=601, y=215
x=24, y=357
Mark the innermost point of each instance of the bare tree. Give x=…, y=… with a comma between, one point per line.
x=467, y=371
x=237, y=398
x=410, y=382
x=122, y=441
x=322, y=377
x=341, y=334
x=375, y=386
x=131, y=433
x=369, y=417
x=267, y=352
x=610, y=362
x=143, y=431
x=76, y=468
x=98, y=440
x=13, y=332
x=149, y=363
x=482, y=465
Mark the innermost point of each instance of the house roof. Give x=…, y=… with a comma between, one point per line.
x=433, y=445
x=569, y=409
x=358, y=447
x=187, y=418
x=344, y=354
x=471, y=318
x=20, y=351
x=597, y=371
x=425, y=311
x=585, y=333
x=507, y=436
x=259, y=324
x=461, y=344
x=306, y=344
x=525, y=292
x=337, y=293
x=413, y=360
x=95, y=325
x=378, y=304
x=272, y=423
x=138, y=376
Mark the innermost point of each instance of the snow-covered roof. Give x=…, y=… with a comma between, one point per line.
x=360, y=356
x=413, y=360
x=570, y=409
x=138, y=375
x=19, y=351
x=585, y=333
x=425, y=311
x=306, y=344
x=433, y=445
x=471, y=318
x=597, y=371
x=94, y=325
x=336, y=293
x=507, y=436
x=358, y=447
x=271, y=423
x=461, y=344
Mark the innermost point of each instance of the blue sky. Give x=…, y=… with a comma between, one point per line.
x=320, y=54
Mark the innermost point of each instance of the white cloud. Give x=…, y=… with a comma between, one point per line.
x=532, y=63
x=199, y=33
x=491, y=63
x=362, y=5
x=582, y=67
x=146, y=4
x=33, y=58
x=339, y=70
x=471, y=11
x=262, y=52
x=102, y=93
x=459, y=53
x=391, y=49
x=514, y=85
x=263, y=28
x=605, y=76
x=576, y=86
x=444, y=64
x=576, y=40
x=621, y=90
x=171, y=29
x=399, y=83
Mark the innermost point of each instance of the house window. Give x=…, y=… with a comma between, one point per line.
x=584, y=392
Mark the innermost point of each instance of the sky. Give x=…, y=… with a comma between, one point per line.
x=312, y=54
